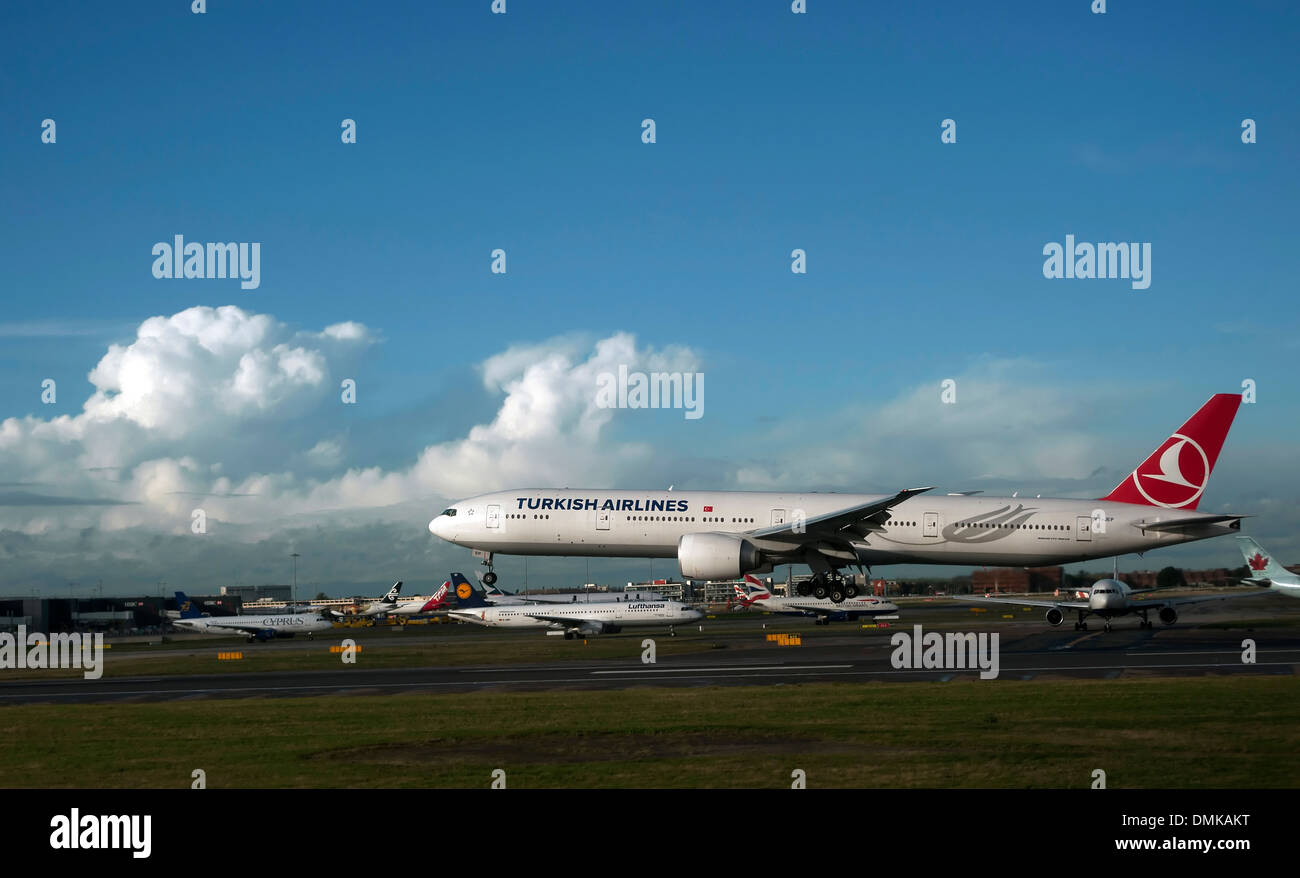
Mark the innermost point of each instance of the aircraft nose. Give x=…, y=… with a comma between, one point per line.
x=438, y=526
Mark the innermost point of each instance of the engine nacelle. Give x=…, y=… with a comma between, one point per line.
x=1055, y=617
x=717, y=556
x=1168, y=615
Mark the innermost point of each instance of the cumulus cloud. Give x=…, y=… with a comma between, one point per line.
x=237, y=414
x=175, y=412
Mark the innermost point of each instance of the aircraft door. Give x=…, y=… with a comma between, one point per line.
x=602, y=519
x=494, y=516
x=930, y=525
x=778, y=516
x=1083, y=528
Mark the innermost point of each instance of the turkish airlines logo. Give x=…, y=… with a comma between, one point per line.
x=1259, y=562
x=1180, y=474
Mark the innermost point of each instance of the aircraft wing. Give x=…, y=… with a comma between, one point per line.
x=851, y=522
x=1197, y=599
x=566, y=621
x=1071, y=605
x=819, y=609
x=250, y=627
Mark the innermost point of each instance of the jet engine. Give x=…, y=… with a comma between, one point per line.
x=1168, y=615
x=717, y=556
x=1055, y=617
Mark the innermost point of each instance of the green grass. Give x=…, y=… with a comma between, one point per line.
x=1172, y=732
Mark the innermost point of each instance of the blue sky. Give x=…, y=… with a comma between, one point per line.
x=774, y=131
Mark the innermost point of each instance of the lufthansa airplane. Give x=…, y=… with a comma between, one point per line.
x=718, y=535
x=574, y=620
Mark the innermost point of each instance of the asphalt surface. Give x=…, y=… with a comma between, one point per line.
x=1028, y=649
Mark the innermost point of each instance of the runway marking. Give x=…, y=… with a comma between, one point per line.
x=635, y=671
x=1077, y=640
x=1212, y=652
x=497, y=669
x=263, y=691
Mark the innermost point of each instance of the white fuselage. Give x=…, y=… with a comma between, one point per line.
x=616, y=613
x=280, y=623
x=811, y=606
x=925, y=529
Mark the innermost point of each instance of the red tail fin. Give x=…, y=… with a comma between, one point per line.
x=1176, y=473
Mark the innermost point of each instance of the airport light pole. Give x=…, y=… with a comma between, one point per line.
x=295, y=556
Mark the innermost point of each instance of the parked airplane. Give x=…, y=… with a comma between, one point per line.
x=1109, y=598
x=752, y=594
x=580, y=619
x=389, y=605
x=263, y=626
x=1267, y=570
x=717, y=535
x=498, y=596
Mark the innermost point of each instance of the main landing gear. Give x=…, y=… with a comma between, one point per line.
x=828, y=585
x=1081, y=625
x=489, y=578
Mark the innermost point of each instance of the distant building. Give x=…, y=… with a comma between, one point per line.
x=250, y=593
x=1019, y=580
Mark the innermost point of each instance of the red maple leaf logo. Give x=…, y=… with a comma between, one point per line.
x=1259, y=562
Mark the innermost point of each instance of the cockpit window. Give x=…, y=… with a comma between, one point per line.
x=451, y=511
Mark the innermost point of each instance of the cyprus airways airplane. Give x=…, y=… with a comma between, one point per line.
x=718, y=535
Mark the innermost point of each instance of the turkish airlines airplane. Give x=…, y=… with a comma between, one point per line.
x=717, y=535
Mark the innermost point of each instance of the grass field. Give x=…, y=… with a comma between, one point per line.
x=1201, y=732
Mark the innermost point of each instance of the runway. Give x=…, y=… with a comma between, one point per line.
x=1027, y=651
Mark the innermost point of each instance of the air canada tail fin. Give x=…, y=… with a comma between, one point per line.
x=187, y=608
x=1263, y=566
x=1176, y=473
x=466, y=594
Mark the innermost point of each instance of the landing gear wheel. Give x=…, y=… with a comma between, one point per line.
x=671, y=632
x=568, y=635
x=850, y=591
x=1076, y=625
x=820, y=591
x=490, y=578
x=804, y=589
x=837, y=596
x=1108, y=627
x=1083, y=626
